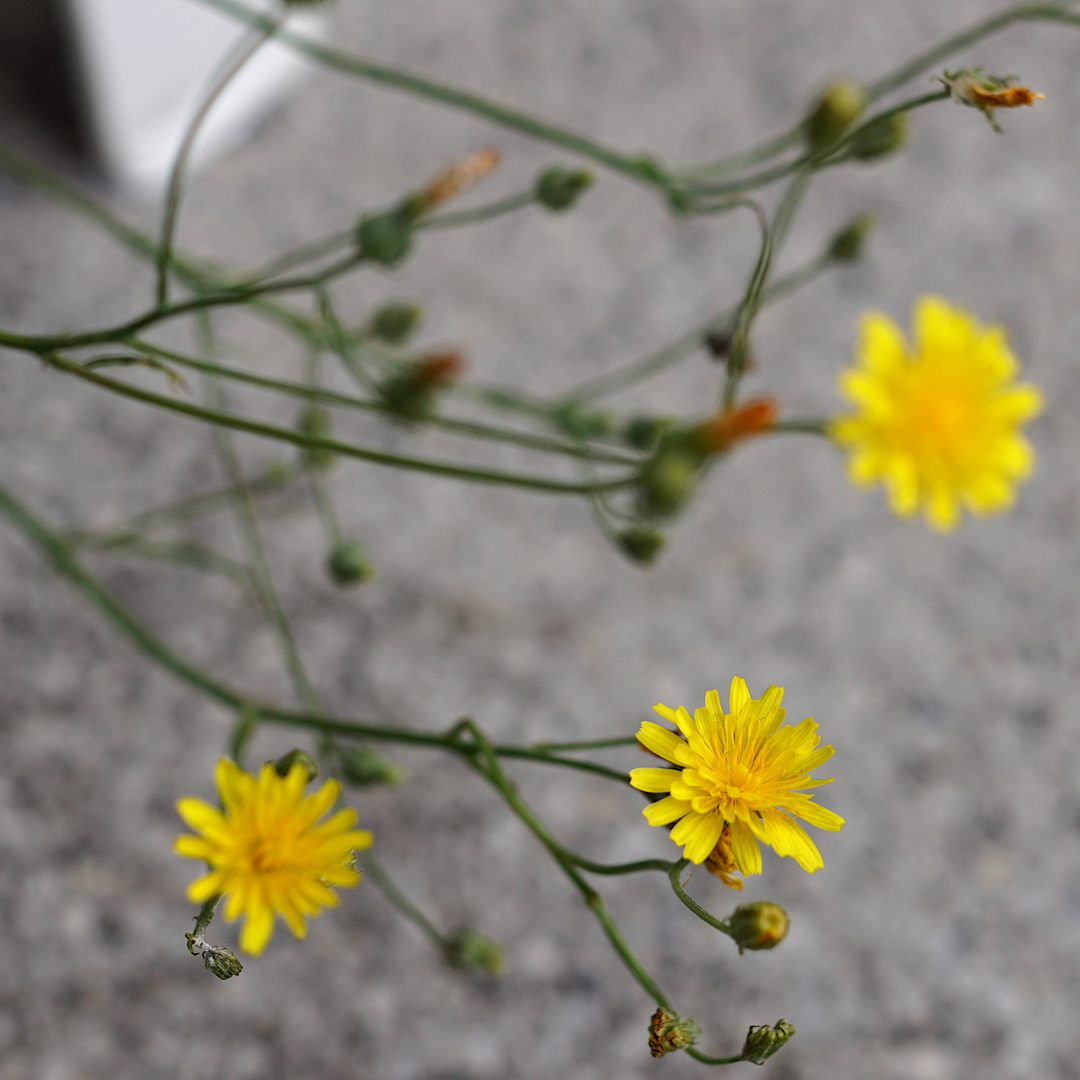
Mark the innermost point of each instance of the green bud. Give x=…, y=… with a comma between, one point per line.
x=847, y=244
x=837, y=107
x=763, y=1041
x=348, y=564
x=468, y=951
x=221, y=961
x=642, y=432
x=558, y=189
x=386, y=237
x=881, y=137
x=669, y=478
x=314, y=421
x=579, y=422
x=669, y=1032
x=362, y=766
x=393, y=323
x=758, y=925
x=294, y=757
x=641, y=543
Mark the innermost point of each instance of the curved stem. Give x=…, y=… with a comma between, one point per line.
x=386, y=885
x=675, y=869
x=231, y=67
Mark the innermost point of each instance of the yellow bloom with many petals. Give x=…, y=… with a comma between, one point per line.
x=268, y=852
x=737, y=780
x=938, y=424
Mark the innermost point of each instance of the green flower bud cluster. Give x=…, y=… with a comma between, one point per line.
x=393, y=323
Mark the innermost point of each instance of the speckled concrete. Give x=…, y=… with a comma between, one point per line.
x=942, y=939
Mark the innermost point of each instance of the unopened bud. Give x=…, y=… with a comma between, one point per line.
x=847, y=244
x=642, y=432
x=558, y=189
x=669, y=478
x=362, y=766
x=386, y=237
x=758, y=925
x=726, y=428
x=763, y=1041
x=411, y=393
x=221, y=961
x=469, y=951
x=581, y=423
x=641, y=544
x=669, y=1032
x=284, y=764
x=348, y=564
x=881, y=137
x=393, y=323
x=836, y=109
x=314, y=421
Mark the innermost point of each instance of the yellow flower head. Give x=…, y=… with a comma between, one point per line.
x=740, y=770
x=939, y=424
x=268, y=852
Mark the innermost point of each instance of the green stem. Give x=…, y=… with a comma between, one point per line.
x=196, y=939
x=448, y=95
x=231, y=67
x=674, y=870
x=401, y=461
x=385, y=884
x=479, y=213
x=587, y=744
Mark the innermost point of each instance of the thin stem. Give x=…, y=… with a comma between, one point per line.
x=586, y=744
x=297, y=438
x=230, y=68
x=260, y=568
x=385, y=884
x=301, y=256
x=705, y=1059
x=674, y=870
x=480, y=213
x=645, y=172
x=196, y=939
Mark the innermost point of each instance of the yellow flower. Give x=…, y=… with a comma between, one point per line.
x=937, y=425
x=741, y=769
x=268, y=852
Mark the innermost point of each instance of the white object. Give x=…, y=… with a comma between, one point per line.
x=146, y=66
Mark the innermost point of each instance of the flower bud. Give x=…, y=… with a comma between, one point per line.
x=881, y=137
x=362, y=766
x=348, y=564
x=386, y=237
x=847, y=244
x=221, y=961
x=411, y=394
x=468, y=951
x=641, y=543
x=669, y=1032
x=837, y=107
x=579, y=422
x=314, y=420
x=763, y=1041
x=642, y=432
x=669, y=478
x=558, y=189
x=297, y=757
x=393, y=323
x=758, y=925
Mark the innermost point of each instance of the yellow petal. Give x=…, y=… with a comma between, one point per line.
x=653, y=780
x=744, y=847
x=665, y=811
x=258, y=929
x=664, y=743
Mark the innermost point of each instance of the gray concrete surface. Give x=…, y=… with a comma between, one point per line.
x=942, y=939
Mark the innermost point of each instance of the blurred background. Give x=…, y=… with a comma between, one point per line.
x=942, y=938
